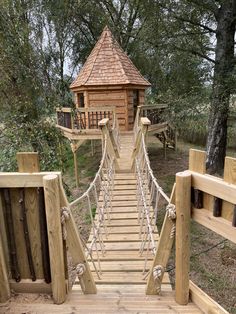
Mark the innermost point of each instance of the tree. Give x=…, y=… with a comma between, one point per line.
x=206, y=29
x=225, y=60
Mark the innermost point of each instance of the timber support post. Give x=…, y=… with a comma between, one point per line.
x=76, y=249
x=142, y=131
x=165, y=244
x=111, y=144
x=74, y=147
x=183, y=209
x=56, y=252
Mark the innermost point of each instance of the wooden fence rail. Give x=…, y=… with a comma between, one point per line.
x=208, y=200
x=32, y=247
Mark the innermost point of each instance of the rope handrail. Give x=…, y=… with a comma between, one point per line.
x=99, y=193
x=75, y=202
x=149, y=194
x=151, y=171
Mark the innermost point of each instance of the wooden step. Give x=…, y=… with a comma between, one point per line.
x=123, y=256
x=123, y=237
x=122, y=266
x=124, y=277
x=122, y=246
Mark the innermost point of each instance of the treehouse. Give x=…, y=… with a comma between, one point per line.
x=109, y=86
x=108, y=79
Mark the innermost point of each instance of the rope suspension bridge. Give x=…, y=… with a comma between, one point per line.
x=122, y=265
x=123, y=236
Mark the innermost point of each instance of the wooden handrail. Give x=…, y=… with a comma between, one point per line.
x=154, y=106
x=84, y=118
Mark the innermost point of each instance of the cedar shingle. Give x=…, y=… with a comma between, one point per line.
x=108, y=64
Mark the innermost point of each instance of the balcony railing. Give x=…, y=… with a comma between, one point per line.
x=84, y=118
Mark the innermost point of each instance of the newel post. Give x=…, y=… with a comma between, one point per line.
x=142, y=131
x=183, y=210
x=53, y=216
x=106, y=134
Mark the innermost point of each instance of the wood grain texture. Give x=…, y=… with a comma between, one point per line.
x=230, y=177
x=203, y=301
x=52, y=204
x=163, y=249
x=3, y=235
x=76, y=249
x=183, y=208
x=29, y=162
x=4, y=283
x=197, y=161
x=19, y=234
x=217, y=224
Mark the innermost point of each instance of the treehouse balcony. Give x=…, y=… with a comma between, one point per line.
x=83, y=123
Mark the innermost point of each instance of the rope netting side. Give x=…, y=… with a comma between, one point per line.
x=150, y=197
x=97, y=202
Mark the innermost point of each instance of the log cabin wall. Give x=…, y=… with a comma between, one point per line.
x=121, y=98
x=131, y=110
x=116, y=98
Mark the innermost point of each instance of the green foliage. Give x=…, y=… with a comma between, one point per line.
x=40, y=136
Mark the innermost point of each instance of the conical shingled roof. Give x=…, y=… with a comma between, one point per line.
x=108, y=65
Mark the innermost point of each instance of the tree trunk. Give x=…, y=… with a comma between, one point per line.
x=222, y=86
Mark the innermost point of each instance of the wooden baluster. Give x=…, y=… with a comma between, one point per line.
x=217, y=207
x=89, y=117
x=4, y=283
x=97, y=122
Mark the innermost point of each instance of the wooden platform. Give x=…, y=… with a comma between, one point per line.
x=121, y=288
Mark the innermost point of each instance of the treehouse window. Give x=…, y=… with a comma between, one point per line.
x=80, y=100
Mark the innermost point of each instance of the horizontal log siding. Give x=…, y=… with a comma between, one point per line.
x=110, y=98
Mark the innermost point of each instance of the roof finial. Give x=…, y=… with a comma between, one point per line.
x=106, y=28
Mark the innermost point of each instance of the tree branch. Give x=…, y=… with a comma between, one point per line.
x=207, y=4
x=209, y=29
x=196, y=53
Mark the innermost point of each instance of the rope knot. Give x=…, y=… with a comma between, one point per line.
x=65, y=215
x=158, y=272
x=170, y=208
x=80, y=269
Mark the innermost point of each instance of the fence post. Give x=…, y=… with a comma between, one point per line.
x=28, y=162
x=52, y=206
x=183, y=208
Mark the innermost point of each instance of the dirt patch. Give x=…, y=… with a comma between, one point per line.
x=213, y=259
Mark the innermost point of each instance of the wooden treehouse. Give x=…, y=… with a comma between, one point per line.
x=109, y=78
x=109, y=86
x=121, y=266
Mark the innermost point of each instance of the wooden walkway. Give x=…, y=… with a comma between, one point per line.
x=122, y=263
x=122, y=287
